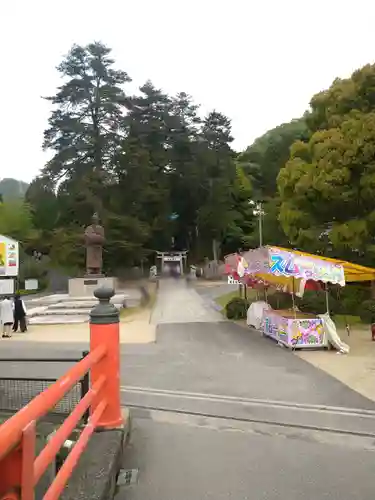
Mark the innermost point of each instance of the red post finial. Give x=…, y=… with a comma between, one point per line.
x=105, y=330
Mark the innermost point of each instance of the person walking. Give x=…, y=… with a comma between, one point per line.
x=6, y=317
x=19, y=310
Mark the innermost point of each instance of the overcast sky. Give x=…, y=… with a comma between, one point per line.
x=259, y=62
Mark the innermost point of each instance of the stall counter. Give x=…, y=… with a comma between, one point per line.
x=294, y=329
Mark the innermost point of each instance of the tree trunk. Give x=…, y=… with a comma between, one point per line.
x=214, y=249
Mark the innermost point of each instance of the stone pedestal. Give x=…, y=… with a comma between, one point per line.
x=85, y=287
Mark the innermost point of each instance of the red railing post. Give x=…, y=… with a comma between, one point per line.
x=105, y=330
x=11, y=474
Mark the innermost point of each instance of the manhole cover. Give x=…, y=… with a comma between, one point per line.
x=127, y=477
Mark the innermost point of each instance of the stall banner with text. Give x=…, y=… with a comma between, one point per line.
x=291, y=265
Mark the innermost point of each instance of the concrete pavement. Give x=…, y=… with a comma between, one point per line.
x=226, y=359
x=357, y=369
x=205, y=459
x=178, y=302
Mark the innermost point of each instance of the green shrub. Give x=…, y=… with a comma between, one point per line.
x=280, y=300
x=367, y=311
x=316, y=303
x=27, y=292
x=351, y=298
x=236, y=308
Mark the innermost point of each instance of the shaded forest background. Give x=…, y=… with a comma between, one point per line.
x=163, y=176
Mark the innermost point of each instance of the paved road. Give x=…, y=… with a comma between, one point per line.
x=186, y=305
x=204, y=459
x=221, y=413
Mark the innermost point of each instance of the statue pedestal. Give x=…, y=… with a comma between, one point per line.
x=85, y=287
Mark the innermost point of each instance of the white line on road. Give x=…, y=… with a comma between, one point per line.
x=149, y=391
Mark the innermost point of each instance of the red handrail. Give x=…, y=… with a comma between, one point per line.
x=67, y=468
x=52, y=448
x=20, y=470
x=11, y=430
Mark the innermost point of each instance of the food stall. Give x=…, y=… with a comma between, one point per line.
x=294, y=329
x=290, y=271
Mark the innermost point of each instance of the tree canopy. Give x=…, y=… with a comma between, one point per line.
x=161, y=175
x=327, y=187
x=136, y=160
x=264, y=158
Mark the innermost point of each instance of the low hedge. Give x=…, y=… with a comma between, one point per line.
x=315, y=302
x=28, y=292
x=237, y=308
x=280, y=300
x=351, y=297
x=367, y=311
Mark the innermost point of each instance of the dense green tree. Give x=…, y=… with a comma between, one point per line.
x=240, y=229
x=137, y=160
x=185, y=177
x=85, y=126
x=217, y=166
x=143, y=167
x=269, y=153
x=16, y=221
x=262, y=162
x=327, y=187
x=43, y=202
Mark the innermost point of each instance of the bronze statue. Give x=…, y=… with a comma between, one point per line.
x=94, y=241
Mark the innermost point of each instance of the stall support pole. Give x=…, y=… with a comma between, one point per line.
x=327, y=299
x=293, y=299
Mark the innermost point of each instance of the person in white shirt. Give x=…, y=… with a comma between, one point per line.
x=7, y=317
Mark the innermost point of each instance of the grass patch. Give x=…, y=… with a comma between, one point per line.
x=353, y=321
x=128, y=311
x=224, y=299
x=342, y=319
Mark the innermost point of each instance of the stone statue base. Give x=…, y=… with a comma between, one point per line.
x=85, y=287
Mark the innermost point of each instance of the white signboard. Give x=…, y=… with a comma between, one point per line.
x=172, y=258
x=9, y=256
x=31, y=284
x=6, y=286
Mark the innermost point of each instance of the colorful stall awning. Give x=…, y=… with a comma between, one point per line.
x=278, y=265
x=283, y=267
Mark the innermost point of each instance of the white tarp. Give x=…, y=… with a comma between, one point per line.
x=332, y=335
x=255, y=313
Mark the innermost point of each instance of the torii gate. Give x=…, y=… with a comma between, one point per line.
x=178, y=257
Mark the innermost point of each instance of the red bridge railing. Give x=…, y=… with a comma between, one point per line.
x=20, y=468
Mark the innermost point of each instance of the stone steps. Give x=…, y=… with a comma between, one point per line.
x=58, y=319
x=65, y=312
x=63, y=309
x=53, y=300
x=77, y=306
